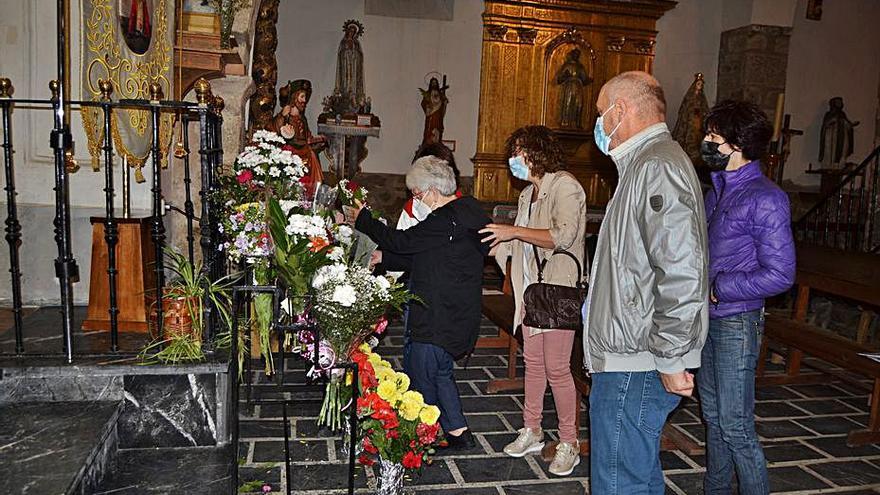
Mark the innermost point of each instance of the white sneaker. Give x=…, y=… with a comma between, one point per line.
x=567, y=457
x=528, y=441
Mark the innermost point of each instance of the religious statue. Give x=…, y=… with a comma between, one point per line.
x=688, y=129
x=350, y=66
x=836, y=136
x=136, y=27
x=434, y=103
x=293, y=126
x=572, y=77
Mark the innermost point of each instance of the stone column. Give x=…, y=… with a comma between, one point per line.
x=752, y=62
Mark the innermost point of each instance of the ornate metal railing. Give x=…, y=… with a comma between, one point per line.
x=207, y=112
x=846, y=217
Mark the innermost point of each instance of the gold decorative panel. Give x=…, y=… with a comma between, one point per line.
x=127, y=42
x=525, y=44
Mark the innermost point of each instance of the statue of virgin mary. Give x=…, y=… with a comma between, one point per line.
x=350, y=66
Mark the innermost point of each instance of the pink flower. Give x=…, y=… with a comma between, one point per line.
x=381, y=325
x=244, y=176
x=267, y=488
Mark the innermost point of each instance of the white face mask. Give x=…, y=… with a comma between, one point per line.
x=420, y=210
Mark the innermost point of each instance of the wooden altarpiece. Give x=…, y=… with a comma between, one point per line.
x=525, y=42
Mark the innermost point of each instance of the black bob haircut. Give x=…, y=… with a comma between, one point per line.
x=742, y=125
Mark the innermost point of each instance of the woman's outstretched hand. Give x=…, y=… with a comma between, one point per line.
x=498, y=233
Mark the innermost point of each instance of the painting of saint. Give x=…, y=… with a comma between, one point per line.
x=198, y=6
x=135, y=21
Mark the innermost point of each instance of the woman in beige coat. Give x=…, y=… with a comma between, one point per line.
x=551, y=216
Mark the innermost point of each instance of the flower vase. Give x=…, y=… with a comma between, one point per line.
x=390, y=480
x=346, y=440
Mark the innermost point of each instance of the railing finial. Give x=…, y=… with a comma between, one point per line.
x=156, y=93
x=53, y=87
x=219, y=104
x=6, y=88
x=106, y=88
x=203, y=91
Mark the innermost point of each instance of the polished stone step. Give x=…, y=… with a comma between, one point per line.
x=190, y=470
x=56, y=447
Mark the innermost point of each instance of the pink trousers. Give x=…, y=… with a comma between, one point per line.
x=547, y=356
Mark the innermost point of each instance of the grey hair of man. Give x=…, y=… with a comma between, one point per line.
x=431, y=172
x=641, y=91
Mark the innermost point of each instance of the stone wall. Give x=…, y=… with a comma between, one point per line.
x=752, y=64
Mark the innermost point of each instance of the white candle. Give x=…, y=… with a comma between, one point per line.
x=777, y=120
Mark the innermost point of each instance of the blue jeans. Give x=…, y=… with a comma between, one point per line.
x=430, y=372
x=726, y=382
x=627, y=414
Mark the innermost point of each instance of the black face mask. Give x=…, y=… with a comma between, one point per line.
x=713, y=158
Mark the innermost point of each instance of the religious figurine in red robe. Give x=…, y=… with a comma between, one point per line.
x=137, y=28
x=434, y=103
x=291, y=123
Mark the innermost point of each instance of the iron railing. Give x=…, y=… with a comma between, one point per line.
x=206, y=112
x=845, y=218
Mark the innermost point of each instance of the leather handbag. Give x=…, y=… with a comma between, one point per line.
x=551, y=306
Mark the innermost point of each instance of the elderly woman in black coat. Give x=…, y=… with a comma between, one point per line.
x=444, y=258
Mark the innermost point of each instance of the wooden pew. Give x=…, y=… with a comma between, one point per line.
x=855, y=276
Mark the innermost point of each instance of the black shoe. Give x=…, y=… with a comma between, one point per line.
x=461, y=442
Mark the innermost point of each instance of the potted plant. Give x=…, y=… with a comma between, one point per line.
x=183, y=303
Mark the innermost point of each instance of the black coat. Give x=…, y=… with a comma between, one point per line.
x=444, y=257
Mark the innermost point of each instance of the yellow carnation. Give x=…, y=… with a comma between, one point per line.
x=402, y=382
x=388, y=391
x=409, y=408
x=376, y=360
x=429, y=415
x=382, y=362
x=412, y=395
x=365, y=348
x=384, y=374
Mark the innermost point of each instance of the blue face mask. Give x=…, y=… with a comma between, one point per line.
x=603, y=141
x=518, y=167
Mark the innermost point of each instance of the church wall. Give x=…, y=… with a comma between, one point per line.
x=398, y=53
x=836, y=56
x=685, y=47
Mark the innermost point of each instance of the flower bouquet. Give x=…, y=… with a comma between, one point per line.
x=349, y=303
x=396, y=424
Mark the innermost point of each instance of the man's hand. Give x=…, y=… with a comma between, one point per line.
x=681, y=383
x=499, y=232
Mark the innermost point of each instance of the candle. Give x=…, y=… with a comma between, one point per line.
x=777, y=120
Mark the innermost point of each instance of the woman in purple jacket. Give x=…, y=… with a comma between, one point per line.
x=751, y=257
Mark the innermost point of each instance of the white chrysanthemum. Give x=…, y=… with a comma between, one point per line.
x=274, y=171
x=382, y=282
x=344, y=295
x=344, y=234
x=336, y=254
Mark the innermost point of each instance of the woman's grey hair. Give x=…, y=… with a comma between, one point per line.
x=428, y=172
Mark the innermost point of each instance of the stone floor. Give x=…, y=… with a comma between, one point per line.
x=803, y=430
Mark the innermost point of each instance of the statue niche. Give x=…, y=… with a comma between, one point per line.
x=572, y=79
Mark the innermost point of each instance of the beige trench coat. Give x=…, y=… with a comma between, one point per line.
x=560, y=207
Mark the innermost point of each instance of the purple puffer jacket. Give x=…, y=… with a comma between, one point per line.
x=751, y=250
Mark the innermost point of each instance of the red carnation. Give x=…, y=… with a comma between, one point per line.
x=369, y=447
x=427, y=433
x=366, y=461
x=352, y=186
x=391, y=434
x=368, y=376
x=411, y=460
x=244, y=176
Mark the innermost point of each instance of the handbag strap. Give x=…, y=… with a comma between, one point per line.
x=542, y=263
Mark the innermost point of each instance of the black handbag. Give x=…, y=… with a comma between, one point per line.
x=551, y=306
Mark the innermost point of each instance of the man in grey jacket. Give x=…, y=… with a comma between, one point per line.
x=646, y=314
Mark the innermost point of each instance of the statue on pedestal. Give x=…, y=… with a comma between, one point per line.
x=836, y=138
x=688, y=130
x=572, y=77
x=434, y=103
x=293, y=126
x=350, y=67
